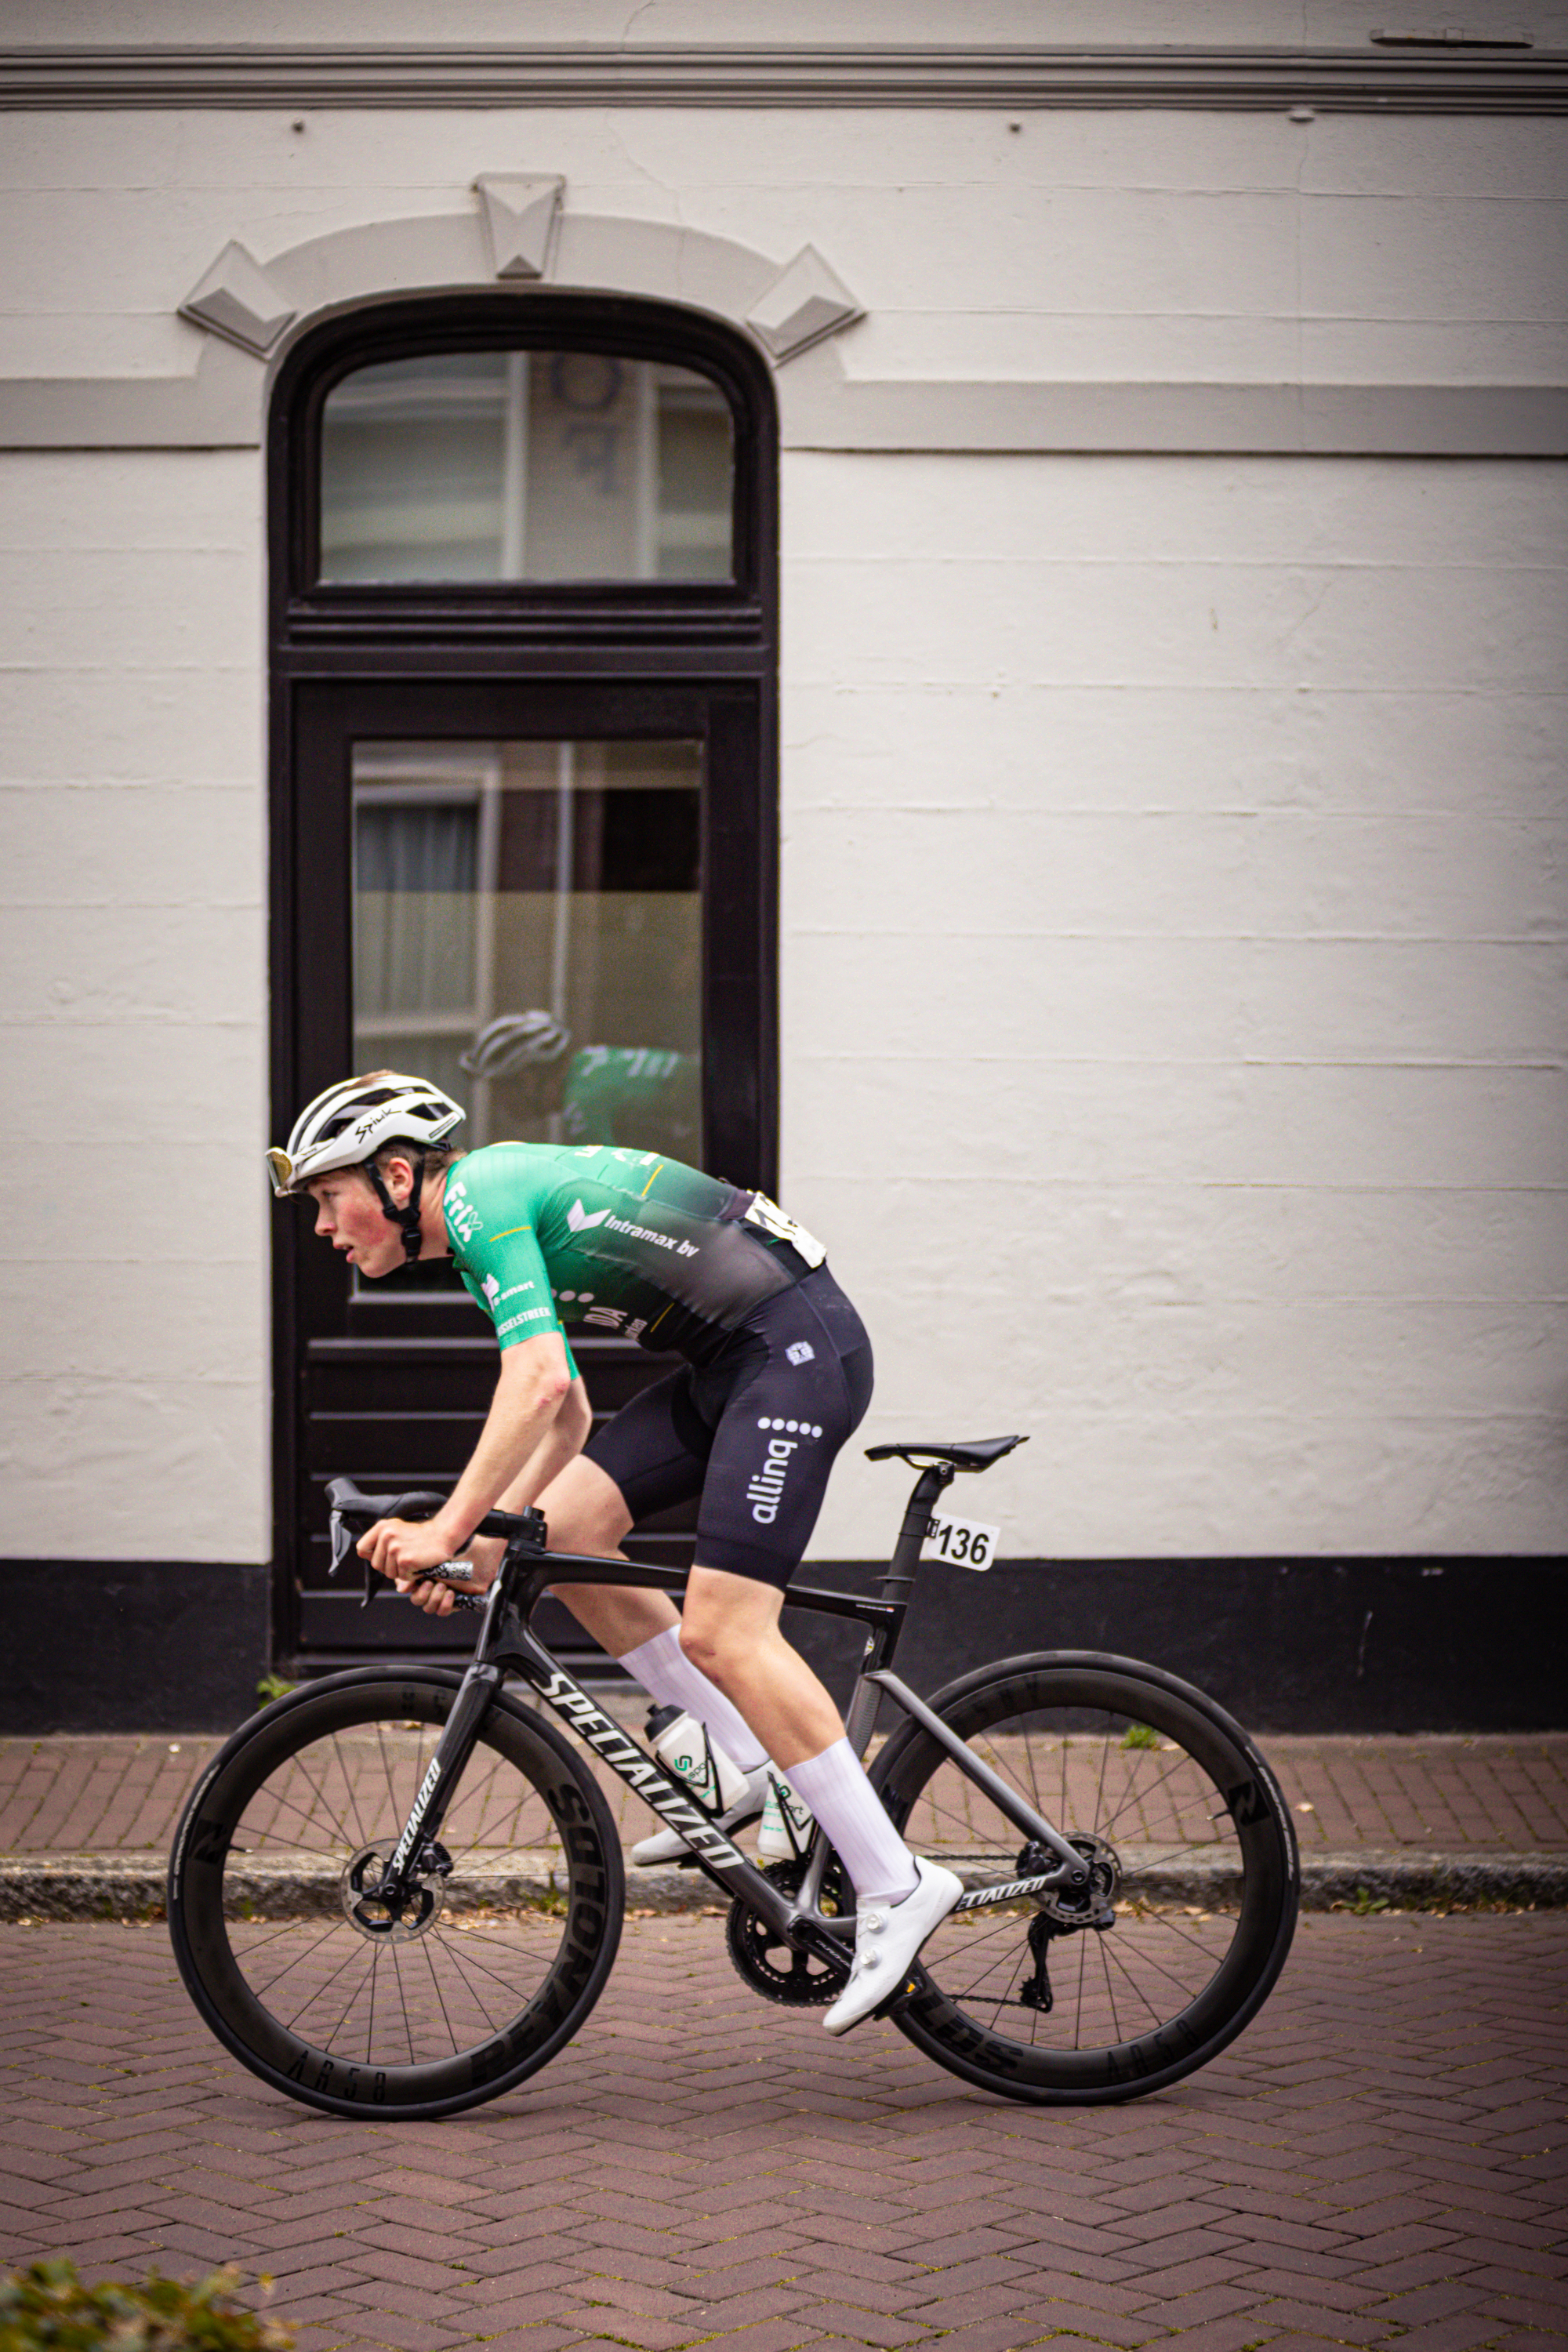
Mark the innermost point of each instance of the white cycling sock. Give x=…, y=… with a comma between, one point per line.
x=834, y=1784
x=668, y=1674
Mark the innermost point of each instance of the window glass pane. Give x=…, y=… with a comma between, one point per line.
x=528, y=933
x=526, y=465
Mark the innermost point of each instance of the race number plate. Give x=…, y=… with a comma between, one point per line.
x=967, y=1543
x=771, y=1218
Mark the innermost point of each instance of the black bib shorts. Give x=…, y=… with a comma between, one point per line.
x=754, y=1431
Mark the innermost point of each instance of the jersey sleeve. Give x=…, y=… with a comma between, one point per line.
x=502, y=1265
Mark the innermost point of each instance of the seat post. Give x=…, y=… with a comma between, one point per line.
x=900, y=1571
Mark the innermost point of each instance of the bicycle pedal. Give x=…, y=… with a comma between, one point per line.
x=897, y=1998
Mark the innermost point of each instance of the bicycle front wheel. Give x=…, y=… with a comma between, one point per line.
x=1193, y=1854
x=485, y=1975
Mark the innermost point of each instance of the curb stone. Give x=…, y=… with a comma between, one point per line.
x=132, y=1886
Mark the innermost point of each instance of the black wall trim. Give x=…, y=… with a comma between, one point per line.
x=131, y=1645
x=1429, y=1644
x=1451, y=77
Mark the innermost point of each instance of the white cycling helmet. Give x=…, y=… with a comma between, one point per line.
x=344, y=1126
x=515, y=1041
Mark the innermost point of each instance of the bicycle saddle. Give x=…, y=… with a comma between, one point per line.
x=979, y=1455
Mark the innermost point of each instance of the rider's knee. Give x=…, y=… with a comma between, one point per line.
x=706, y=1647
x=724, y=1652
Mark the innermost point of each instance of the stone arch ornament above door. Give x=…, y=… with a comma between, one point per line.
x=520, y=233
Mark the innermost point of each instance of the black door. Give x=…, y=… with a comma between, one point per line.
x=524, y=828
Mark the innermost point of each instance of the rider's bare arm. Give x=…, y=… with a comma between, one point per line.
x=562, y=1442
x=531, y=1394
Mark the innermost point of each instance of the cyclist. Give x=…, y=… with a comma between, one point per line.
x=776, y=1376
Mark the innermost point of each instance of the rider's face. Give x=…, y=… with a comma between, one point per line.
x=349, y=1215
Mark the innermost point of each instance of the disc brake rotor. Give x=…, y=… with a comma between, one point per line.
x=421, y=1907
x=1095, y=1905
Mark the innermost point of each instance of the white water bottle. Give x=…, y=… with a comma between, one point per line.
x=684, y=1748
x=786, y=1825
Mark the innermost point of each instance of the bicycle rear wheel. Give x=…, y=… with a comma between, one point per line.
x=1191, y=1848
x=478, y=1984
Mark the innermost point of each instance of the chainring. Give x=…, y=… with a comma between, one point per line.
x=772, y=1967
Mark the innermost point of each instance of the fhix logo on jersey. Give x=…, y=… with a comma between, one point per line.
x=768, y=1482
x=462, y=1216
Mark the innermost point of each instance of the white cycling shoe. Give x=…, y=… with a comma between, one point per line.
x=887, y=1938
x=669, y=1845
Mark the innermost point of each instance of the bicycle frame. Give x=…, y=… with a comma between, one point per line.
x=507, y=1643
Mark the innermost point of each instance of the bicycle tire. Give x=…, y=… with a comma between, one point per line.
x=277, y=1840
x=1199, y=1854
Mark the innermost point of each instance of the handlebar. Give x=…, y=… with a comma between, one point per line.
x=359, y=1513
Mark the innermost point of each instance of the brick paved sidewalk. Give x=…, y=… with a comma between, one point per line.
x=85, y=1822
x=1378, y=2161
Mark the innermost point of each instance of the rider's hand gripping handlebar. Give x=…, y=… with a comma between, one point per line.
x=353, y=1514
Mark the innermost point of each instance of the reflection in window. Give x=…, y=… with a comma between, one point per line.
x=528, y=926
x=525, y=466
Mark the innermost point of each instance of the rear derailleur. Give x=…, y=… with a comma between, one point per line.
x=1063, y=1914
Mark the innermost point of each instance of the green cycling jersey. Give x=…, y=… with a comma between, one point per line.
x=625, y=1244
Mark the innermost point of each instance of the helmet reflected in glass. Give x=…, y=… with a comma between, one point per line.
x=515, y=1041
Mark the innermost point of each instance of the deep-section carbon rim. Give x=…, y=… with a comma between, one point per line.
x=1190, y=1834
x=490, y=1969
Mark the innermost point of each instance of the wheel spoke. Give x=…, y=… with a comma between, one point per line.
x=298, y=1959
x=318, y=1991
x=280, y=1800
x=338, y=1825
x=424, y=1950
x=1109, y=1987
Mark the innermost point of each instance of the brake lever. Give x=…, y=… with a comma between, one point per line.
x=342, y=1540
x=344, y=1543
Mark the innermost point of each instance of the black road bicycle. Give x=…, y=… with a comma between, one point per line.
x=398, y=1891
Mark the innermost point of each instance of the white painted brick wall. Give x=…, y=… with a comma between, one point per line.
x=1307, y=23
x=1174, y=924
x=1128, y=245
x=133, y=1393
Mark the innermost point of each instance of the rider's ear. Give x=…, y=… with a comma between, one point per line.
x=397, y=1175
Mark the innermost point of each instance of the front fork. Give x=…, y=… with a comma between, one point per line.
x=428, y=1810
